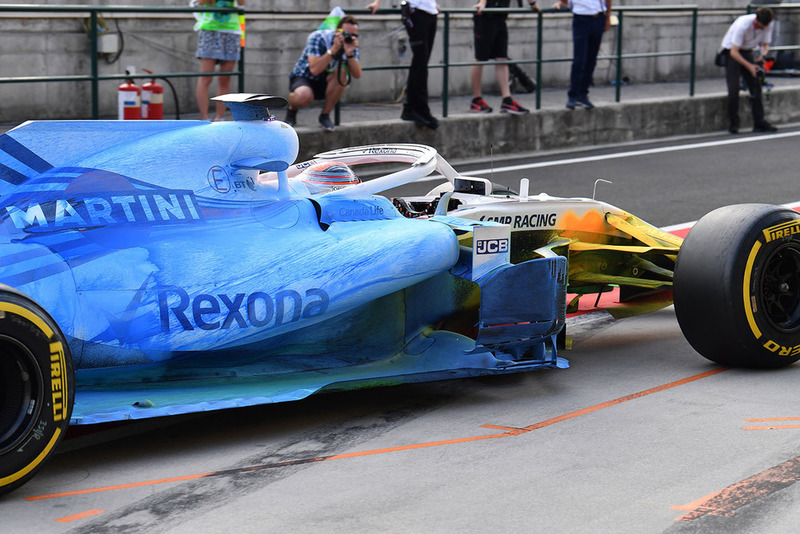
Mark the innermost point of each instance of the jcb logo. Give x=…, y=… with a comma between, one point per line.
x=491, y=246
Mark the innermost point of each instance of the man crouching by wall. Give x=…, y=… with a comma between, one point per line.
x=329, y=60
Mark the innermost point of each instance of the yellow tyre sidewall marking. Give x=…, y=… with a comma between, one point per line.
x=8, y=307
x=36, y=461
x=748, y=306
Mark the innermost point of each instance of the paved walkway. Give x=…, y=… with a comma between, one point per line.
x=551, y=98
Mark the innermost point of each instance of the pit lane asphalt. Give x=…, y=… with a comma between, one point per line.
x=641, y=434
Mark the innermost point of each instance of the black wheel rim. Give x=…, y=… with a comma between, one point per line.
x=780, y=288
x=21, y=389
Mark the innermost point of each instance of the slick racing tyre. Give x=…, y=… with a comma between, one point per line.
x=37, y=387
x=737, y=286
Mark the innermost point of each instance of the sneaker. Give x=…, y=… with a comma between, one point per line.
x=325, y=122
x=291, y=117
x=479, y=105
x=513, y=107
x=733, y=129
x=572, y=104
x=764, y=127
x=586, y=103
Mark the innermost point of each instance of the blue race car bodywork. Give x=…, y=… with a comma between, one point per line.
x=162, y=277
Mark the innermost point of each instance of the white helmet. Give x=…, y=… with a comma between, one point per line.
x=328, y=176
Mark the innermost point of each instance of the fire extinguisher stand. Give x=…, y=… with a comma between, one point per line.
x=129, y=101
x=152, y=99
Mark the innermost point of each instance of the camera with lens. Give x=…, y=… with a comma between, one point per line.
x=348, y=37
x=761, y=75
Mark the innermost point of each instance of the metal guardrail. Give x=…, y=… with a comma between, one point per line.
x=94, y=78
x=618, y=56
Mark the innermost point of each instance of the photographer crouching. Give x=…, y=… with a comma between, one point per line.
x=329, y=60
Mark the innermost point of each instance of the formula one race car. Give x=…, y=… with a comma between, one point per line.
x=158, y=268
x=608, y=249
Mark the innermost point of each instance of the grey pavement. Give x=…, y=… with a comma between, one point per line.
x=552, y=98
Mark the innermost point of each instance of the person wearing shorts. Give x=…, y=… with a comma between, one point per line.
x=218, y=43
x=491, y=42
x=329, y=59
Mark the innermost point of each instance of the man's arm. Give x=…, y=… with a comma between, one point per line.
x=737, y=56
x=319, y=64
x=374, y=6
x=608, y=15
x=352, y=62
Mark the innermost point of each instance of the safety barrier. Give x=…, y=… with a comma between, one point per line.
x=538, y=60
x=93, y=28
x=618, y=57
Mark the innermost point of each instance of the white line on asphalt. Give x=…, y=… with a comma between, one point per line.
x=683, y=226
x=635, y=153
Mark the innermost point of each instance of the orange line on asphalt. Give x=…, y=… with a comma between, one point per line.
x=770, y=427
x=117, y=487
x=509, y=431
x=73, y=517
x=726, y=501
x=422, y=445
x=627, y=398
x=773, y=419
x=498, y=427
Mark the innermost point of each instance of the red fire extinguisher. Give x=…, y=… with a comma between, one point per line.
x=129, y=96
x=152, y=99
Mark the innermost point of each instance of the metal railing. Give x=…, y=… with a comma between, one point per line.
x=539, y=61
x=447, y=14
x=94, y=78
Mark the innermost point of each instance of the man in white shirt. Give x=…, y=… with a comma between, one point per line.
x=747, y=33
x=590, y=19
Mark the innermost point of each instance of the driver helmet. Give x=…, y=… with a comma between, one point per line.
x=328, y=176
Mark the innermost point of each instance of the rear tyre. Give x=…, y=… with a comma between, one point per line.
x=737, y=286
x=37, y=387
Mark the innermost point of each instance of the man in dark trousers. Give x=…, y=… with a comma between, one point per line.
x=746, y=33
x=421, y=27
x=590, y=19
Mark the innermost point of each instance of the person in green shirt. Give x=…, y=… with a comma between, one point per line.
x=218, y=43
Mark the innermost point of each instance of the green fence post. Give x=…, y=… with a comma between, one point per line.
x=693, y=56
x=539, y=26
x=241, y=72
x=241, y=58
x=619, y=56
x=93, y=48
x=446, y=61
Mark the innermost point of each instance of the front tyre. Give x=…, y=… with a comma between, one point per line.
x=37, y=387
x=737, y=286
